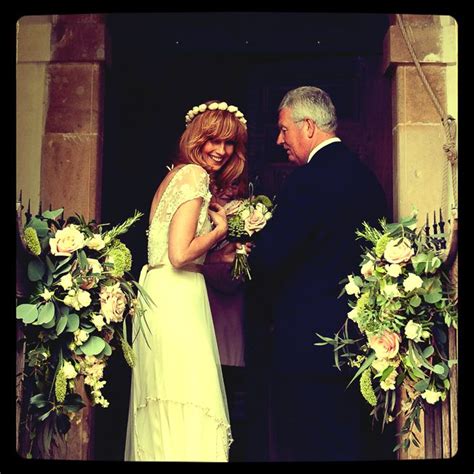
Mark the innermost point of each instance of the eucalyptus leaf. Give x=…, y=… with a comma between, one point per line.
x=438, y=369
x=61, y=324
x=93, y=346
x=53, y=215
x=428, y=352
x=46, y=313
x=50, y=325
x=40, y=225
x=27, y=312
x=422, y=385
x=72, y=322
x=36, y=269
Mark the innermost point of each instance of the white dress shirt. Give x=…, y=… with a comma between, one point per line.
x=322, y=145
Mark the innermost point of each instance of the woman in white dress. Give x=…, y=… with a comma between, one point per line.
x=178, y=407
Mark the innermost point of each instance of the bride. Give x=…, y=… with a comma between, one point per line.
x=178, y=407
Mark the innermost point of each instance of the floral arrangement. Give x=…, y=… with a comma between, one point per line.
x=75, y=316
x=245, y=217
x=402, y=306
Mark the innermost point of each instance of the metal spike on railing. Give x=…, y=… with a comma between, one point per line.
x=427, y=226
x=28, y=212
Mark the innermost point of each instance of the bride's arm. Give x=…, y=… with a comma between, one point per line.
x=183, y=246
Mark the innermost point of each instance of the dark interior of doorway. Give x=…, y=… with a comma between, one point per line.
x=162, y=64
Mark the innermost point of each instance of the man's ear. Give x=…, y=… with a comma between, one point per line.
x=311, y=128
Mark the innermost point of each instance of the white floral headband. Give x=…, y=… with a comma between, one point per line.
x=199, y=109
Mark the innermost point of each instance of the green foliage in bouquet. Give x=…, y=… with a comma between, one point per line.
x=402, y=305
x=75, y=316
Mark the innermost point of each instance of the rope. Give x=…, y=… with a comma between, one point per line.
x=449, y=123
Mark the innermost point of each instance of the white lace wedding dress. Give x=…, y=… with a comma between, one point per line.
x=178, y=408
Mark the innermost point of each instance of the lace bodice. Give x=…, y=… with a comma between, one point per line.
x=189, y=182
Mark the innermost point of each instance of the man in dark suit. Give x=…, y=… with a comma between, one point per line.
x=298, y=261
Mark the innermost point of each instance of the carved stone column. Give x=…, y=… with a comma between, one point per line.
x=420, y=163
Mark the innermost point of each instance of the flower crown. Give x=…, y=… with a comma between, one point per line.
x=199, y=109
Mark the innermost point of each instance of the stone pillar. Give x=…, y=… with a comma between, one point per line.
x=73, y=134
x=60, y=75
x=421, y=177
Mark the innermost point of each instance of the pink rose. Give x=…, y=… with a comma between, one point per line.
x=233, y=207
x=385, y=345
x=255, y=222
x=398, y=253
x=112, y=303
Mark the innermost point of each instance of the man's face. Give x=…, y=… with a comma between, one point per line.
x=292, y=137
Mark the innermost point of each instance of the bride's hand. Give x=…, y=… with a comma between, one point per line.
x=218, y=217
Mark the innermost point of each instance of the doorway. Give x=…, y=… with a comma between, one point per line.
x=162, y=64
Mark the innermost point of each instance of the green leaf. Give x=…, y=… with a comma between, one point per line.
x=428, y=351
x=82, y=259
x=72, y=323
x=27, y=312
x=62, y=263
x=441, y=369
x=367, y=363
x=36, y=269
x=53, y=215
x=49, y=325
x=61, y=324
x=422, y=385
x=39, y=400
x=415, y=301
x=46, y=313
x=106, y=352
x=93, y=346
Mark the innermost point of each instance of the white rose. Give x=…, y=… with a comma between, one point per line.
x=84, y=298
x=66, y=241
x=414, y=331
x=367, y=269
x=431, y=396
x=398, y=252
x=351, y=288
x=69, y=370
x=261, y=207
x=96, y=242
x=66, y=281
x=412, y=282
x=394, y=269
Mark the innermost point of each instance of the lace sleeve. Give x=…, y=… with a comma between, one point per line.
x=191, y=182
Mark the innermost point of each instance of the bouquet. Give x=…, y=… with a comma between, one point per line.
x=75, y=315
x=245, y=218
x=402, y=307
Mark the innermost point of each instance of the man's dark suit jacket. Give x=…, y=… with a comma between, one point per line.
x=299, y=259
